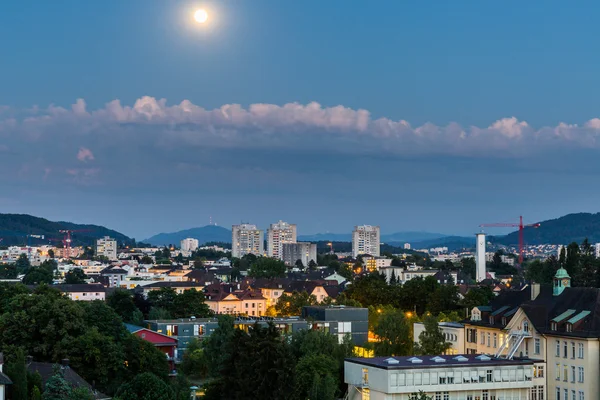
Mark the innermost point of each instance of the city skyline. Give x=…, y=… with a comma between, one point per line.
x=440, y=123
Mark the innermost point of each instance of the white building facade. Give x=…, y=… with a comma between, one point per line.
x=279, y=234
x=366, y=240
x=303, y=251
x=106, y=247
x=246, y=239
x=188, y=246
x=480, y=257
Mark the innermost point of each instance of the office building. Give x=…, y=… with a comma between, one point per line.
x=365, y=240
x=279, y=234
x=246, y=239
x=106, y=247
x=444, y=377
x=303, y=251
x=188, y=246
x=406, y=246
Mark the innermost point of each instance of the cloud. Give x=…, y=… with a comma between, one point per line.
x=84, y=155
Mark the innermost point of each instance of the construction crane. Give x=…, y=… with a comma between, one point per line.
x=67, y=238
x=519, y=225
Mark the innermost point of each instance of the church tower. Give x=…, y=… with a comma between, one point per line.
x=562, y=280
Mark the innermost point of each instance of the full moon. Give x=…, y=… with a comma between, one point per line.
x=201, y=16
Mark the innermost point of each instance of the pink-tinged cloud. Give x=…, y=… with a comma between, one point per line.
x=85, y=155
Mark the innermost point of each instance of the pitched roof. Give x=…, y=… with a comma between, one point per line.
x=176, y=284
x=46, y=371
x=82, y=287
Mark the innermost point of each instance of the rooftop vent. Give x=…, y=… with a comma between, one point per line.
x=483, y=357
x=415, y=360
x=438, y=359
x=461, y=358
x=391, y=360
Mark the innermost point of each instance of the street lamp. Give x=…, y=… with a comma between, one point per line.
x=193, y=390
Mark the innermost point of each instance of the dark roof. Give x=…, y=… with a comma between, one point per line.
x=132, y=328
x=504, y=302
x=430, y=361
x=4, y=380
x=83, y=287
x=113, y=271
x=170, y=284
x=46, y=371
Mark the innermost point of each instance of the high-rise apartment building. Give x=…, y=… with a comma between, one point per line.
x=106, y=247
x=277, y=235
x=303, y=251
x=188, y=246
x=246, y=239
x=365, y=240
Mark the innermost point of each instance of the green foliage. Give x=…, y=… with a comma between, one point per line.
x=34, y=385
x=162, y=298
x=159, y=313
x=469, y=267
x=432, y=340
x=22, y=264
x=444, y=298
x=146, y=260
x=291, y=304
x=194, y=362
x=17, y=372
x=8, y=271
x=42, y=274
x=57, y=388
x=75, y=276
x=370, y=289
x=265, y=267
x=314, y=377
x=145, y=386
x=121, y=300
x=419, y=396
x=394, y=333
x=216, y=346
x=190, y=303
x=141, y=356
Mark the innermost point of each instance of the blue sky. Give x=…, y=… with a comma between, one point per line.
x=472, y=112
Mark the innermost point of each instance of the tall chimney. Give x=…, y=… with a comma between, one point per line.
x=480, y=257
x=535, y=290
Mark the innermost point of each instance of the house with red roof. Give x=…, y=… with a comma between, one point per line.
x=164, y=343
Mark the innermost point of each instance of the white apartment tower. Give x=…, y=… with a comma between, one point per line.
x=480, y=257
x=277, y=235
x=106, y=247
x=246, y=239
x=365, y=240
x=188, y=246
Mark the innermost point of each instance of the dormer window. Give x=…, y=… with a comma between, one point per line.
x=491, y=320
x=504, y=321
x=553, y=326
x=569, y=327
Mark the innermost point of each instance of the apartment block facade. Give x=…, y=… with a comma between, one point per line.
x=366, y=240
x=246, y=239
x=279, y=234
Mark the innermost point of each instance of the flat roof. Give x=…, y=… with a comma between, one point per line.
x=461, y=360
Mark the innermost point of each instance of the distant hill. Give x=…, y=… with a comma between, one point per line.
x=326, y=237
x=14, y=229
x=563, y=230
x=208, y=233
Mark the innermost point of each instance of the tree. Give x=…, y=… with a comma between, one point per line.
x=291, y=304
x=146, y=260
x=443, y=299
x=572, y=259
x=393, y=331
x=8, y=271
x=51, y=253
x=38, y=275
x=121, y=300
x=312, y=265
x=22, y=264
x=469, y=267
x=265, y=267
x=157, y=313
x=190, y=303
x=57, y=388
x=299, y=264
x=432, y=340
x=162, y=298
x=419, y=396
x=479, y=296
x=142, y=357
x=370, y=289
x=194, y=362
x=17, y=372
x=145, y=386
x=75, y=276
x=216, y=346
x=315, y=377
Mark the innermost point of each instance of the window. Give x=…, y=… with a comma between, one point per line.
x=557, y=372
x=538, y=371
x=557, y=348
x=365, y=372
x=580, y=377
x=573, y=395
x=495, y=340
x=565, y=351
x=438, y=395
x=557, y=393
x=526, y=326
x=537, y=346
x=533, y=393
x=569, y=327
x=572, y=374
x=442, y=380
x=573, y=350
x=565, y=374
x=484, y=395
x=566, y=394
x=469, y=397
x=446, y=396
x=366, y=394
x=553, y=326
x=488, y=374
x=488, y=339
x=580, y=350
x=482, y=337
x=581, y=396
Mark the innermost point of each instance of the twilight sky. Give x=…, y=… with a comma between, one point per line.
x=428, y=115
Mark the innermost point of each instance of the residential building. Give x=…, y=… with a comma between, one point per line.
x=303, y=251
x=166, y=344
x=279, y=234
x=179, y=287
x=4, y=380
x=366, y=240
x=106, y=247
x=246, y=239
x=113, y=276
x=376, y=263
x=406, y=246
x=188, y=246
x=235, y=300
x=83, y=291
x=443, y=377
